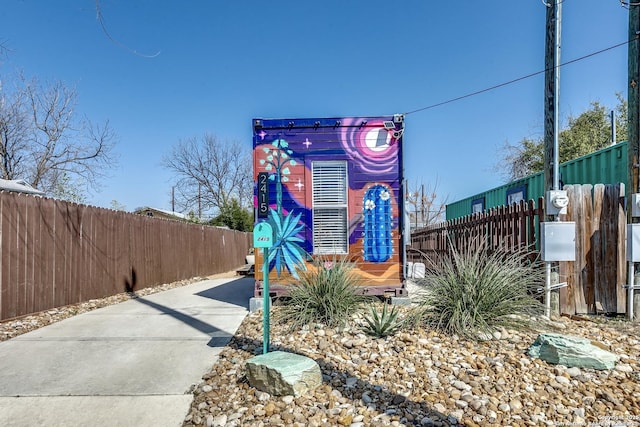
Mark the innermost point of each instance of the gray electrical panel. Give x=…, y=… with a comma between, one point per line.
x=635, y=205
x=558, y=241
x=633, y=242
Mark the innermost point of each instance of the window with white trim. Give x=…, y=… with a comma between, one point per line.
x=330, y=201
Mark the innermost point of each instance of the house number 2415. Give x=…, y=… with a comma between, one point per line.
x=263, y=195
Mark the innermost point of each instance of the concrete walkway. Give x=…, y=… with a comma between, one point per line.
x=130, y=364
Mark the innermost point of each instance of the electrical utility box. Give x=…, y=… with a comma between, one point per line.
x=558, y=242
x=635, y=205
x=556, y=202
x=633, y=242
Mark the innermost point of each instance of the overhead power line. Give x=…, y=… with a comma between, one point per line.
x=103, y=26
x=510, y=82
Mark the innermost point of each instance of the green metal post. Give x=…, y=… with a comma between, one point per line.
x=266, y=300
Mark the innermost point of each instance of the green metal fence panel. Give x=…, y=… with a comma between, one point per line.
x=605, y=166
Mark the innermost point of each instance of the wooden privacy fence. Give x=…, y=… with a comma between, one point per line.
x=512, y=228
x=593, y=280
x=54, y=253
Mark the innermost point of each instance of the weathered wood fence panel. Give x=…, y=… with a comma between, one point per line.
x=54, y=253
x=594, y=279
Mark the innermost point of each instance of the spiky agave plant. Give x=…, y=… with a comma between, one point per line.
x=382, y=324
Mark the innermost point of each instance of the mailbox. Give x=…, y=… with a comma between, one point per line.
x=262, y=235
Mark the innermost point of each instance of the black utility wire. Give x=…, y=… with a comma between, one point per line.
x=518, y=79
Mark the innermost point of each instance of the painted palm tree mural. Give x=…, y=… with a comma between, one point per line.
x=286, y=252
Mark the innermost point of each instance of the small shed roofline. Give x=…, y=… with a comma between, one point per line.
x=19, y=186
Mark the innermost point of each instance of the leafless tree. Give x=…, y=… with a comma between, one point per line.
x=43, y=140
x=426, y=207
x=210, y=173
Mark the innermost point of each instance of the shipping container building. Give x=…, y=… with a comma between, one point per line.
x=605, y=166
x=332, y=191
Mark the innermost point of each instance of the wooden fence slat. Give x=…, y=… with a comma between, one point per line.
x=576, y=213
x=621, y=294
x=607, y=256
x=598, y=235
x=586, y=248
x=608, y=285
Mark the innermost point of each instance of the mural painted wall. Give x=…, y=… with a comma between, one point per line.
x=370, y=148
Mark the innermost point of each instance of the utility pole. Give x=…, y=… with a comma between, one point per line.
x=552, y=95
x=422, y=205
x=633, y=129
x=613, y=128
x=634, y=102
x=555, y=202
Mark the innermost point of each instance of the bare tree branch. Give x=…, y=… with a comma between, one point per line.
x=210, y=173
x=426, y=206
x=3, y=47
x=43, y=141
x=14, y=129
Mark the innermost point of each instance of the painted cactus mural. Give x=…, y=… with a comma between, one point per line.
x=378, y=245
x=308, y=190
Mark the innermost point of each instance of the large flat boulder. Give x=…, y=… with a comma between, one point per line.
x=283, y=374
x=571, y=351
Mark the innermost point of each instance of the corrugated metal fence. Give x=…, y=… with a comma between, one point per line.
x=54, y=253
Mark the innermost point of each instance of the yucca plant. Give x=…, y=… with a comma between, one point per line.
x=326, y=294
x=473, y=292
x=383, y=324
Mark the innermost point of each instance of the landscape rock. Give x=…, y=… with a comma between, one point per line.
x=280, y=373
x=410, y=379
x=571, y=351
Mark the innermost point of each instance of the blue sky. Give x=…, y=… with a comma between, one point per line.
x=222, y=63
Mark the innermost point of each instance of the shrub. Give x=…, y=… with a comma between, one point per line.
x=325, y=294
x=383, y=324
x=472, y=292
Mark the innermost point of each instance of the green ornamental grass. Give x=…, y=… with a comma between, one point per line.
x=473, y=293
x=326, y=294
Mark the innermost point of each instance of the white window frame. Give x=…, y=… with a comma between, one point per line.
x=330, y=236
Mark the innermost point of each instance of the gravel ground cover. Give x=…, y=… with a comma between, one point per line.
x=424, y=378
